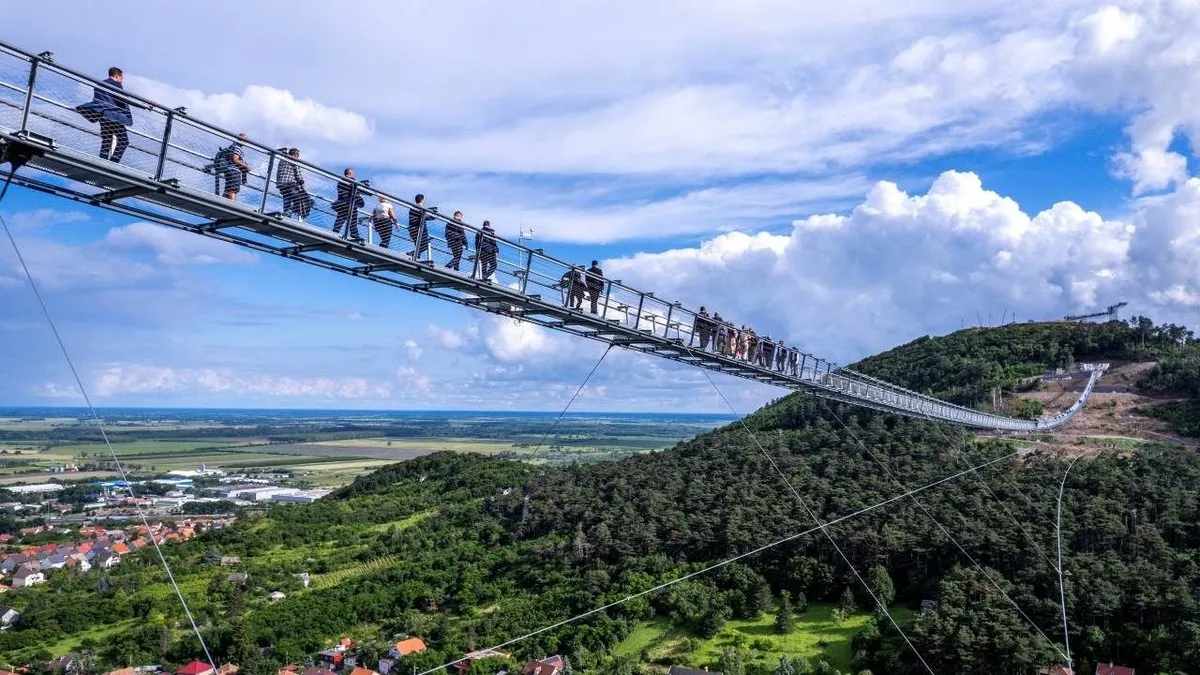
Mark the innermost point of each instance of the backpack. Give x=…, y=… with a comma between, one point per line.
x=223, y=159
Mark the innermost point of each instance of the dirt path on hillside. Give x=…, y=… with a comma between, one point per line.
x=1109, y=420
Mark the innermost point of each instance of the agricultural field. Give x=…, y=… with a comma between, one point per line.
x=321, y=448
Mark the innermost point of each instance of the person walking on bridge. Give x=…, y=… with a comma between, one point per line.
x=230, y=165
x=111, y=110
x=346, y=206
x=418, y=228
x=456, y=239
x=290, y=181
x=487, y=251
x=595, y=285
x=383, y=219
x=572, y=285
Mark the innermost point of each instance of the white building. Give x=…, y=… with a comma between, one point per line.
x=258, y=494
x=28, y=577
x=300, y=496
x=33, y=489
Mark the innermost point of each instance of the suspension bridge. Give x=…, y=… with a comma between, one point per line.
x=166, y=177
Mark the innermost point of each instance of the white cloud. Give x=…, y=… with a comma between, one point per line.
x=175, y=247
x=412, y=349
x=262, y=111
x=137, y=378
x=413, y=381
x=902, y=265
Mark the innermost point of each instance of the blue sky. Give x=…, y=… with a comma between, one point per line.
x=850, y=175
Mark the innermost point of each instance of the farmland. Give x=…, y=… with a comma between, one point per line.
x=320, y=448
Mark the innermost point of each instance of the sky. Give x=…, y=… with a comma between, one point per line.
x=849, y=175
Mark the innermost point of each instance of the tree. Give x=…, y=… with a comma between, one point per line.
x=881, y=584
x=785, y=666
x=846, y=602
x=733, y=661
x=784, y=622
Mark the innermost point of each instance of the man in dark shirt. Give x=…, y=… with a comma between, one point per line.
x=572, y=285
x=701, y=328
x=112, y=111
x=346, y=206
x=418, y=228
x=595, y=284
x=486, y=251
x=456, y=239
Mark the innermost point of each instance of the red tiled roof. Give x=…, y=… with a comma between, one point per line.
x=195, y=668
x=1111, y=669
x=363, y=671
x=410, y=646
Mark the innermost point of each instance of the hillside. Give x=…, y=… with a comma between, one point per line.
x=504, y=548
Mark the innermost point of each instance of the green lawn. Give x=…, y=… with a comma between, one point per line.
x=71, y=642
x=816, y=635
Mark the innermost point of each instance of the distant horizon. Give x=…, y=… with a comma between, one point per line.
x=375, y=411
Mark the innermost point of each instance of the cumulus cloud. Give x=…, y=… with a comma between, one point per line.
x=262, y=110
x=175, y=247
x=902, y=265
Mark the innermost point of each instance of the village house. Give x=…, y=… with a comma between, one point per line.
x=552, y=665
x=335, y=657
x=106, y=560
x=196, y=668
x=405, y=647
x=1112, y=669
x=8, y=617
x=28, y=576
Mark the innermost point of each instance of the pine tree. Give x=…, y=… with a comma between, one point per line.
x=785, y=666
x=881, y=583
x=846, y=603
x=784, y=623
x=567, y=669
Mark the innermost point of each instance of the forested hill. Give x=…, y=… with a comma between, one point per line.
x=504, y=548
x=964, y=366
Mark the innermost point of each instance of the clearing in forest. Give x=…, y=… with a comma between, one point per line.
x=816, y=636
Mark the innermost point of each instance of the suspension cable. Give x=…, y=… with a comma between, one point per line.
x=1062, y=593
x=943, y=528
x=100, y=425
x=578, y=390
x=728, y=561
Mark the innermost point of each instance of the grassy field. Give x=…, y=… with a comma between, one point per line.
x=816, y=635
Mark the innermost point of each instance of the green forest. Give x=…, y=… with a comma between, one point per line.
x=503, y=548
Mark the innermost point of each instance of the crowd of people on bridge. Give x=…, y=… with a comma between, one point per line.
x=230, y=172
x=744, y=344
